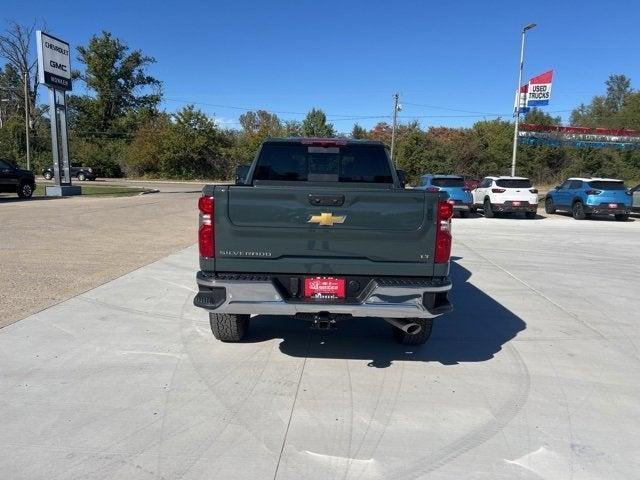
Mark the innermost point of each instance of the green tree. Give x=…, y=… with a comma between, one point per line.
x=256, y=126
x=196, y=147
x=315, y=125
x=629, y=114
x=604, y=109
x=292, y=128
x=539, y=117
x=358, y=132
x=121, y=87
x=495, y=139
x=618, y=90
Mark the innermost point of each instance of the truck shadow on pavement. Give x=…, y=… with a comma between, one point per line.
x=475, y=331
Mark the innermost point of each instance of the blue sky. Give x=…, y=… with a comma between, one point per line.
x=349, y=57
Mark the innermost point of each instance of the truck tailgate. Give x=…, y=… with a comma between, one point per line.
x=362, y=231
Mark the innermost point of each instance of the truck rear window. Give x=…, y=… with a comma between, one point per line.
x=343, y=163
x=514, y=183
x=447, y=182
x=607, y=185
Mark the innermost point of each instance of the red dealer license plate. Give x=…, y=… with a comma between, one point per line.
x=329, y=287
x=613, y=205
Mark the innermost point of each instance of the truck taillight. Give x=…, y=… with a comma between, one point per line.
x=206, y=231
x=443, y=232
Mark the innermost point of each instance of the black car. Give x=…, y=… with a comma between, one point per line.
x=79, y=172
x=16, y=180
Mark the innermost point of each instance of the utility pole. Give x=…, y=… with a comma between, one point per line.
x=515, y=130
x=26, y=117
x=396, y=96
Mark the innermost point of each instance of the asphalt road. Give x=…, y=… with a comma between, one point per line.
x=535, y=375
x=54, y=248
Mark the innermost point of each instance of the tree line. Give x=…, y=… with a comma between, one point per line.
x=119, y=128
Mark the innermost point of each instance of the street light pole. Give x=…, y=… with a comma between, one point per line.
x=393, y=128
x=515, y=130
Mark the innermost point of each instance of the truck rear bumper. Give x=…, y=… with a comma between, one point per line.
x=260, y=297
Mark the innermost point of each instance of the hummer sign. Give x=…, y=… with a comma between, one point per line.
x=54, y=61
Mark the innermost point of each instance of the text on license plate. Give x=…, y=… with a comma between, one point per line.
x=324, y=286
x=515, y=204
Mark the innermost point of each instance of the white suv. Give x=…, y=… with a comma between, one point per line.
x=497, y=195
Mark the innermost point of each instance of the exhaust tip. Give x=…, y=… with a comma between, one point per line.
x=413, y=328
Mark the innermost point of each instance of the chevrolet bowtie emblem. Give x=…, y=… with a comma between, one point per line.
x=327, y=219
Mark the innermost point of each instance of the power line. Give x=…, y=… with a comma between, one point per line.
x=435, y=107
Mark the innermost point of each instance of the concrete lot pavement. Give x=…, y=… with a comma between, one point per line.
x=533, y=376
x=51, y=249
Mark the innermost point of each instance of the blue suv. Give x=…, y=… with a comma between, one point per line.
x=459, y=195
x=585, y=196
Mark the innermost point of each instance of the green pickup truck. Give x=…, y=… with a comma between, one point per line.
x=323, y=230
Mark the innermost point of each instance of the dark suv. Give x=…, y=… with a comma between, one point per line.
x=76, y=171
x=16, y=180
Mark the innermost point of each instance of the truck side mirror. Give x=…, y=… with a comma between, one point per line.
x=402, y=177
x=241, y=174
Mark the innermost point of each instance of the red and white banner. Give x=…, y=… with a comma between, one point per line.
x=520, y=102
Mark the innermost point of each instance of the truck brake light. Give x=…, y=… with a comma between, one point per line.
x=206, y=230
x=498, y=190
x=443, y=232
x=324, y=142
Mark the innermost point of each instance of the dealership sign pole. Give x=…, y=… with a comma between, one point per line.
x=54, y=70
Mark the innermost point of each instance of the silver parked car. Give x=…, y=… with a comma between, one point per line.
x=635, y=191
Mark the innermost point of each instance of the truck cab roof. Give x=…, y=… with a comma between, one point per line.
x=323, y=141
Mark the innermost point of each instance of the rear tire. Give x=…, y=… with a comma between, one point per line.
x=25, y=190
x=47, y=175
x=578, y=211
x=530, y=215
x=488, y=212
x=419, y=338
x=622, y=217
x=549, y=207
x=227, y=327
x=82, y=177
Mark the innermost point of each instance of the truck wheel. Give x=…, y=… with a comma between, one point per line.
x=487, y=209
x=47, y=175
x=578, y=211
x=549, y=207
x=227, y=327
x=82, y=177
x=25, y=190
x=416, y=338
x=622, y=217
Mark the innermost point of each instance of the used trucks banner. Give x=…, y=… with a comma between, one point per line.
x=539, y=90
